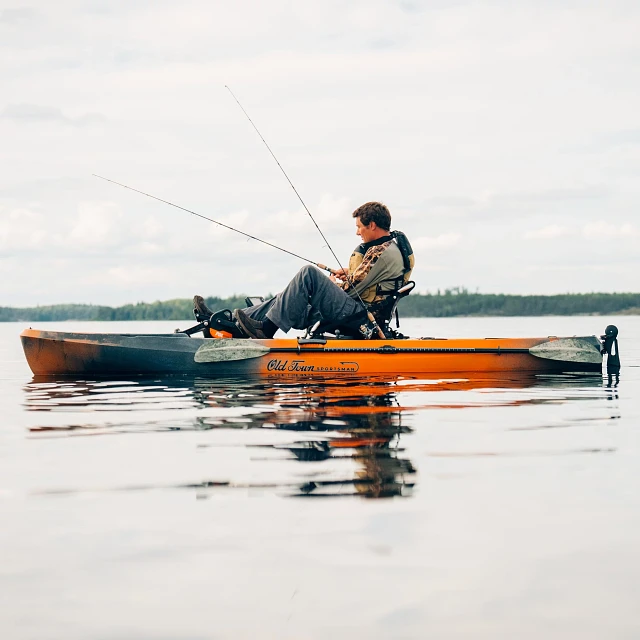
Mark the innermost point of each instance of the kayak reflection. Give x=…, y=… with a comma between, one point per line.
x=347, y=437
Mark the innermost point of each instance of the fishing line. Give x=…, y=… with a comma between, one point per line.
x=226, y=226
x=284, y=173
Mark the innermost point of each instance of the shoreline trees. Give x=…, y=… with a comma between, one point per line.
x=447, y=304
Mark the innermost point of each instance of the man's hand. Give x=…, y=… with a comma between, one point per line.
x=340, y=274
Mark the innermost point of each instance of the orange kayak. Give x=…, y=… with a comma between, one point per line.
x=104, y=354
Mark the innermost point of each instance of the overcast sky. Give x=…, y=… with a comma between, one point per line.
x=503, y=136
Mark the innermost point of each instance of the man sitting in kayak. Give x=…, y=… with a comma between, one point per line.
x=375, y=267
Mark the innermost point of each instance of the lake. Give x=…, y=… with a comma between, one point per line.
x=502, y=506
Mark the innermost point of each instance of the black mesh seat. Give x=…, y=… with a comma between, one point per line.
x=383, y=311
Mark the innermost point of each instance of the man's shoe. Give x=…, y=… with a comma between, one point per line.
x=200, y=308
x=252, y=328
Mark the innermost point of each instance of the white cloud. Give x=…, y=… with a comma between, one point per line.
x=32, y=113
x=146, y=249
x=442, y=241
x=97, y=224
x=16, y=16
x=149, y=228
x=333, y=211
x=602, y=229
x=552, y=231
x=21, y=229
x=427, y=268
x=282, y=222
x=128, y=277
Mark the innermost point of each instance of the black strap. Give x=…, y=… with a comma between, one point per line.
x=365, y=246
x=405, y=248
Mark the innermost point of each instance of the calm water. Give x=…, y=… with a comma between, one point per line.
x=503, y=507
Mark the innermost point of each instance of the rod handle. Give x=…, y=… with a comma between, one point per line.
x=375, y=324
x=324, y=266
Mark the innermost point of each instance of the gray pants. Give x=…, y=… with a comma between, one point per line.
x=308, y=294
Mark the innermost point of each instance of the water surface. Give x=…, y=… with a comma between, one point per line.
x=450, y=507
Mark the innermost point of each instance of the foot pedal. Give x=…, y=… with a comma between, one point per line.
x=223, y=321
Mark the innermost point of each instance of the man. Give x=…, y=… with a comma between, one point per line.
x=374, y=268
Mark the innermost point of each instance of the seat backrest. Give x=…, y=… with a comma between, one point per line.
x=407, y=253
x=384, y=310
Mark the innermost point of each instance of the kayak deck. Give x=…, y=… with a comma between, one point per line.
x=102, y=354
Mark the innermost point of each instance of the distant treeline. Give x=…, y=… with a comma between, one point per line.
x=167, y=310
x=447, y=304
x=460, y=302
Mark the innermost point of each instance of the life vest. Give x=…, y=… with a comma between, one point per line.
x=378, y=291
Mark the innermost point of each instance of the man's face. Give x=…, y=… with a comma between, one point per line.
x=366, y=232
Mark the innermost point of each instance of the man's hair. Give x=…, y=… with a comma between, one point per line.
x=374, y=212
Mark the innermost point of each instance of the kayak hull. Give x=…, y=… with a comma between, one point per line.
x=52, y=353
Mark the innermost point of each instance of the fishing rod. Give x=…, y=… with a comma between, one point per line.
x=226, y=226
x=344, y=271
x=273, y=155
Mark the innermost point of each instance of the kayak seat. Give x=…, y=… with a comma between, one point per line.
x=384, y=310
